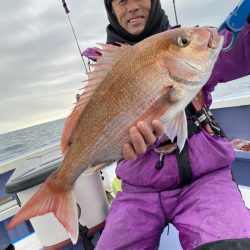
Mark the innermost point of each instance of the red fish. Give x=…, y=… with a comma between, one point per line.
x=154, y=79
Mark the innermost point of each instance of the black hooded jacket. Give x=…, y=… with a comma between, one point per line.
x=156, y=23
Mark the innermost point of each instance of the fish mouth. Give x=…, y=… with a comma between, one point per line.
x=216, y=47
x=215, y=41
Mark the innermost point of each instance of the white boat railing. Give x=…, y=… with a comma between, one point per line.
x=9, y=208
x=10, y=164
x=231, y=101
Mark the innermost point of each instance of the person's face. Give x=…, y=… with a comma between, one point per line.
x=132, y=15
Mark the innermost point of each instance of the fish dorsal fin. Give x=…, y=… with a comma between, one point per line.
x=110, y=55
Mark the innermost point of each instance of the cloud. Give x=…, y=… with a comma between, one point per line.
x=40, y=66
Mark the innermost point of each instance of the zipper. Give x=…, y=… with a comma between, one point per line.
x=160, y=163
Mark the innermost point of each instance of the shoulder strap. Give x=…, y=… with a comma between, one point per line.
x=198, y=103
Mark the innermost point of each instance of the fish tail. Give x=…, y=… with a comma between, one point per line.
x=46, y=200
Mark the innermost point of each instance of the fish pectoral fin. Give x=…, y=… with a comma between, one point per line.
x=182, y=133
x=47, y=200
x=178, y=127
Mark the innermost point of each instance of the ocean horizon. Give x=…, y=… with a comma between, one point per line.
x=21, y=141
x=18, y=142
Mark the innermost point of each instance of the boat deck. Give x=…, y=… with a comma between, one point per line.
x=168, y=241
x=48, y=156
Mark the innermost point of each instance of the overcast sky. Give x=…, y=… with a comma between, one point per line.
x=40, y=66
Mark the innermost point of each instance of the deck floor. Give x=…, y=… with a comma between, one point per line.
x=30, y=242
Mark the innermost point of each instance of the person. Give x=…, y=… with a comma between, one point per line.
x=194, y=190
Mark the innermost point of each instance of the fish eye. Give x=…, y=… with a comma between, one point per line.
x=183, y=41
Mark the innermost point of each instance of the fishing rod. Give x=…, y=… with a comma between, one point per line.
x=67, y=13
x=175, y=13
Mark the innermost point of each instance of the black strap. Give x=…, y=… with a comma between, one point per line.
x=184, y=166
x=189, y=110
x=183, y=162
x=196, y=121
x=7, y=247
x=193, y=127
x=201, y=119
x=83, y=231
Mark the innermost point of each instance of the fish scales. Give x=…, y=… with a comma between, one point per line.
x=118, y=93
x=154, y=79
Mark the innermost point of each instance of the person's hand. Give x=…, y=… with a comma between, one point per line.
x=141, y=136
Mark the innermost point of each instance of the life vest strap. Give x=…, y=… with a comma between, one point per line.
x=204, y=119
x=199, y=118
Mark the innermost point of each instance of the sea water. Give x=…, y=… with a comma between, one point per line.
x=18, y=142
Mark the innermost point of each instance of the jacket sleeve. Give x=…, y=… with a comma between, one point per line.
x=230, y=65
x=91, y=53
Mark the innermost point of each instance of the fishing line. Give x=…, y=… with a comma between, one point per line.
x=67, y=12
x=175, y=13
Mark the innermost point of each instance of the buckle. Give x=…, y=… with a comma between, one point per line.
x=206, y=117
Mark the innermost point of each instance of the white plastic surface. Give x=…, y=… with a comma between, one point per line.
x=90, y=196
